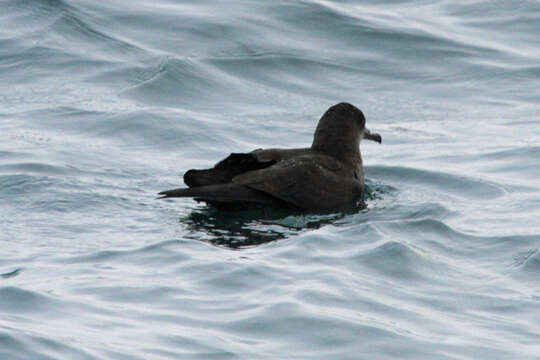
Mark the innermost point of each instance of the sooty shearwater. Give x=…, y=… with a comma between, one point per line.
x=327, y=175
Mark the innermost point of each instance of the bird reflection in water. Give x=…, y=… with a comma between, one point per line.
x=241, y=229
x=248, y=228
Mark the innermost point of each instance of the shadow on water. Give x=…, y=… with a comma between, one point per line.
x=254, y=227
x=247, y=228
x=10, y=274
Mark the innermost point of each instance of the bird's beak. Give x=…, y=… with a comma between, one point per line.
x=375, y=137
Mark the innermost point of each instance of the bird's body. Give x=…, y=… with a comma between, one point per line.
x=327, y=175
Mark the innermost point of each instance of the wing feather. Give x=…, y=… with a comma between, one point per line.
x=305, y=181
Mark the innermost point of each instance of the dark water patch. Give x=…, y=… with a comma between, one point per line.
x=12, y=347
x=14, y=155
x=239, y=229
x=237, y=279
x=24, y=184
x=74, y=27
x=247, y=228
x=67, y=22
x=490, y=252
x=16, y=300
x=30, y=16
x=377, y=191
x=335, y=342
x=20, y=66
x=509, y=18
x=25, y=345
x=181, y=29
x=11, y=274
x=526, y=266
x=352, y=26
x=34, y=168
x=395, y=260
x=525, y=73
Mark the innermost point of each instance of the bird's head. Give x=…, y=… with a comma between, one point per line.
x=340, y=131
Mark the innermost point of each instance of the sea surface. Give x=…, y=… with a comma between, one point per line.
x=105, y=103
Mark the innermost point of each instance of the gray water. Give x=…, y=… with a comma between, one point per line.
x=105, y=103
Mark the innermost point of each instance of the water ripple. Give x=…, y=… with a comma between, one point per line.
x=104, y=105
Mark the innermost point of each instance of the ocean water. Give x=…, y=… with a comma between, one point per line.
x=105, y=103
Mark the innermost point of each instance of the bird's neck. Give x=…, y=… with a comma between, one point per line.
x=343, y=148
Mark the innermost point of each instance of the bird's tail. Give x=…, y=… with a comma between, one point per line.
x=228, y=193
x=180, y=192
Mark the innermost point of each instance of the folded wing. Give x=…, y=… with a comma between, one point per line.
x=275, y=177
x=225, y=170
x=310, y=182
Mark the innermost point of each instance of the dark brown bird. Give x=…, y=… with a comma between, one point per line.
x=327, y=175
